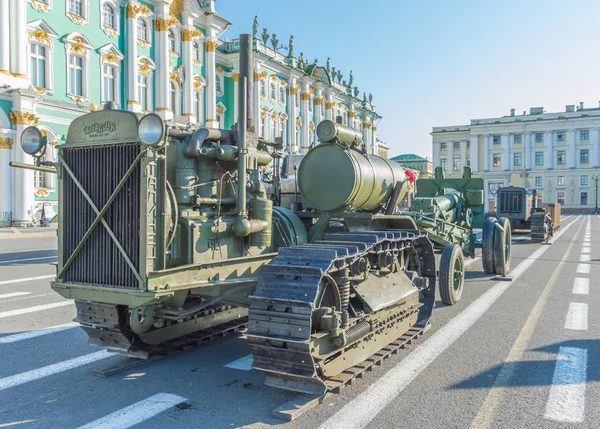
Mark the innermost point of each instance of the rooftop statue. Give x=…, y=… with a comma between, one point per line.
x=274, y=41
x=265, y=36
x=255, y=27
x=291, y=47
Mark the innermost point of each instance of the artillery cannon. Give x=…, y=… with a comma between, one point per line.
x=449, y=210
x=178, y=241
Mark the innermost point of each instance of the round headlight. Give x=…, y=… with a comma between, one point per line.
x=151, y=129
x=529, y=191
x=32, y=142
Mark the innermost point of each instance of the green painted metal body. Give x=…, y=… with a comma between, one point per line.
x=449, y=209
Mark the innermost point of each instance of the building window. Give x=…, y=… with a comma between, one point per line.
x=497, y=160
x=142, y=29
x=496, y=139
x=172, y=44
x=76, y=7
x=583, y=198
x=539, y=195
x=560, y=181
x=444, y=163
x=584, y=181
x=517, y=138
x=584, y=156
x=144, y=91
x=41, y=179
x=196, y=51
x=539, y=158
x=517, y=159
x=468, y=162
x=561, y=157
x=456, y=164
x=173, y=96
x=263, y=89
x=281, y=128
x=584, y=135
x=38, y=65
x=468, y=145
x=197, y=104
x=108, y=16
x=443, y=146
x=273, y=88
x=109, y=76
x=76, y=70
x=539, y=182
x=282, y=94
x=218, y=85
x=539, y=137
x=560, y=136
x=456, y=145
x=273, y=128
x=560, y=198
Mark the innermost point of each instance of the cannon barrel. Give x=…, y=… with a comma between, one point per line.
x=333, y=177
x=442, y=204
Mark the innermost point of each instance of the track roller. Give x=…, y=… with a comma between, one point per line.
x=452, y=274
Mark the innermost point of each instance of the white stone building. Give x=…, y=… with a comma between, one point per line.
x=555, y=153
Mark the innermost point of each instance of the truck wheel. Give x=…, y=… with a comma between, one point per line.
x=487, y=245
x=452, y=274
x=539, y=228
x=502, y=243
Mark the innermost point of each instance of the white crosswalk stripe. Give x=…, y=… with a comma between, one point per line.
x=581, y=286
x=37, y=333
x=577, y=317
x=13, y=294
x=27, y=279
x=34, y=309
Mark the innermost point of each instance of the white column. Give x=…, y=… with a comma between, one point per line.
x=319, y=105
x=133, y=102
x=22, y=194
x=329, y=104
x=572, y=158
x=549, y=155
x=291, y=112
x=305, y=117
x=595, y=162
x=6, y=143
x=487, y=156
x=368, y=135
x=463, y=155
x=374, y=146
x=187, y=39
x=505, y=146
x=474, y=153
x=211, y=94
x=161, y=41
x=18, y=39
x=4, y=37
x=527, y=150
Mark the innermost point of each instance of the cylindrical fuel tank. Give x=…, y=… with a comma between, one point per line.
x=332, y=178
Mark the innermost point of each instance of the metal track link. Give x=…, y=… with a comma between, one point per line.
x=280, y=319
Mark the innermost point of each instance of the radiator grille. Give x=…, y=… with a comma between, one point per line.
x=99, y=170
x=511, y=202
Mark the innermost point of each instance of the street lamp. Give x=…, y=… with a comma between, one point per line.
x=596, y=179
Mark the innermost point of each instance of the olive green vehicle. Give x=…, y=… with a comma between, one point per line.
x=449, y=209
x=166, y=233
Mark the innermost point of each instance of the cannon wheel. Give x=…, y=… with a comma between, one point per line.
x=502, y=243
x=487, y=248
x=541, y=225
x=452, y=274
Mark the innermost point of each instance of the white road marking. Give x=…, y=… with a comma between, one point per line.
x=13, y=294
x=583, y=269
x=27, y=279
x=581, y=286
x=585, y=258
x=566, y=402
x=577, y=317
x=35, y=309
x=585, y=250
x=243, y=364
x=28, y=259
x=36, y=374
x=377, y=396
x=136, y=413
x=37, y=333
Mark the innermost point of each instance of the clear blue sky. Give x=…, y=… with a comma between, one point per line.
x=432, y=63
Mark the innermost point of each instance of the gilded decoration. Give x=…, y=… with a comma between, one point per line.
x=173, y=54
x=274, y=116
x=176, y=7
x=263, y=114
x=235, y=76
x=351, y=114
x=330, y=104
x=6, y=143
x=23, y=118
x=282, y=83
x=311, y=90
x=40, y=36
x=144, y=67
x=76, y=19
x=39, y=6
x=294, y=90
x=197, y=83
x=143, y=43
x=133, y=11
x=165, y=23
x=42, y=193
x=367, y=125
x=374, y=129
x=282, y=119
x=175, y=77
x=298, y=122
x=189, y=35
x=110, y=57
x=311, y=126
x=319, y=100
x=220, y=69
x=110, y=31
x=274, y=77
x=220, y=110
x=305, y=96
x=40, y=90
x=78, y=46
x=211, y=45
x=197, y=63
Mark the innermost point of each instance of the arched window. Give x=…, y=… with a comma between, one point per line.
x=172, y=41
x=281, y=128
x=310, y=105
x=273, y=90
x=273, y=125
x=76, y=7
x=218, y=85
x=142, y=29
x=38, y=65
x=173, y=94
x=197, y=105
x=263, y=88
x=108, y=16
x=263, y=127
x=196, y=51
x=282, y=94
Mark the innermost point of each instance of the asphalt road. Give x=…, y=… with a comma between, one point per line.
x=511, y=354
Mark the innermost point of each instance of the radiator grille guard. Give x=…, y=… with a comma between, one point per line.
x=99, y=170
x=511, y=202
